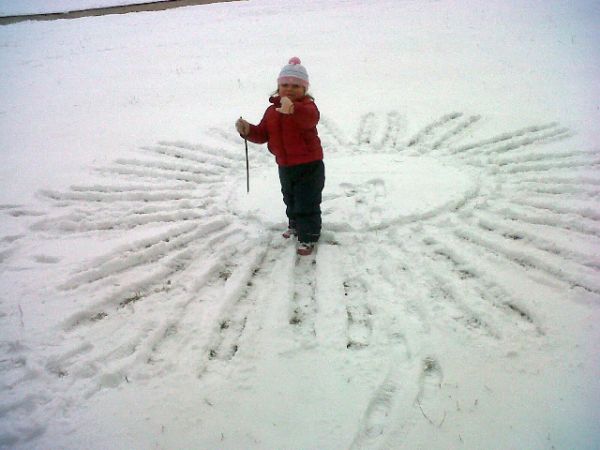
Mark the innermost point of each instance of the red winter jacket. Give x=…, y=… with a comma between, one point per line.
x=292, y=138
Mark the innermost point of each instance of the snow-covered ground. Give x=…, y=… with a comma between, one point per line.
x=148, y=301
x=25, y=7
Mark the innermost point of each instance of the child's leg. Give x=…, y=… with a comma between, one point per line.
x=287, y=189
x=307, y=206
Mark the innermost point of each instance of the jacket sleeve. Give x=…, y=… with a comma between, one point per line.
x=306, y=115
x=258, y=133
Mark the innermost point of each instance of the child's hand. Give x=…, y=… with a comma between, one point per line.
x=287, y=106
x=242, y=127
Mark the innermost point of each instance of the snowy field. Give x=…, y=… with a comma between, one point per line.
x=24, y=7
x=147, y=301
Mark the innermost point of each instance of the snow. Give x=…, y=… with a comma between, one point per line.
x=148, y=301
x=359, y=188
x=25, y=7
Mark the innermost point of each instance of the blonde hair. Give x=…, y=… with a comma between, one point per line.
x=306, y=94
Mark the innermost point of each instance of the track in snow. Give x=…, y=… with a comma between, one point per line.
x=192, y=292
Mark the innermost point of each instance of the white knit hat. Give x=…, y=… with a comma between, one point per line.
x=294, y=73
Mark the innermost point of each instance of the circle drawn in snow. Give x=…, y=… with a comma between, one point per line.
x=364, y=192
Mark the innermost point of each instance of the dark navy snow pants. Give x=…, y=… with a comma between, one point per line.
x=301, y=187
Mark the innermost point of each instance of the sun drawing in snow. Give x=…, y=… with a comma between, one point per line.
x=201, y=267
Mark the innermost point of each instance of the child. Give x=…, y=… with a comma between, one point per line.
x=289, y=126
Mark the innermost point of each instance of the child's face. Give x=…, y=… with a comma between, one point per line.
x=292, y=91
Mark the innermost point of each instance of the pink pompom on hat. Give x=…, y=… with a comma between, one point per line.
x=293, y=73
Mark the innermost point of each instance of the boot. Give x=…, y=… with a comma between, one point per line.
x=290, y=232
x=305, y=248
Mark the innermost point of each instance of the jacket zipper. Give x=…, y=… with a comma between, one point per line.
x=285, y=163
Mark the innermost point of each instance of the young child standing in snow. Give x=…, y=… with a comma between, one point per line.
x=289, y=126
